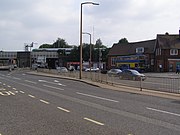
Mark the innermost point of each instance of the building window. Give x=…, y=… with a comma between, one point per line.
x=113, y=61
x=140, y=50
x=158, y=51
x=173, y=51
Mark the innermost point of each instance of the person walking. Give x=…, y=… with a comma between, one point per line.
x=177, y=69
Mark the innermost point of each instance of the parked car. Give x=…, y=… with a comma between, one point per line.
x=92, y=69
x=131, y=74
x=114, y=72
x=62, y=69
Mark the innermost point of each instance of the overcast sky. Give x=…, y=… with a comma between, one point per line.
x=43, y=21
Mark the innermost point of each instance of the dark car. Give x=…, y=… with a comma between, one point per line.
x=114, y=72
x=131, y=74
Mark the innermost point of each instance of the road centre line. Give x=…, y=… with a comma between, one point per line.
x=30, y=81
x=94, y=121
x=31, y=96
x=43, y=101
x=162, y=111
x=65, y=110
x=97, y=97
x=52, y=87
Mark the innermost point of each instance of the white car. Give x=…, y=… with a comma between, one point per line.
x=92, y=69
x=62, y=69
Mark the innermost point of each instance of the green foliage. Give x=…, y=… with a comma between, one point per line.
x=123, y=40
x=60, y=43
x=45, y=46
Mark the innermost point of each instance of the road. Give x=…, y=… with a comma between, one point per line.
x=37, y=105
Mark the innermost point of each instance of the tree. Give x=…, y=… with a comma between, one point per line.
x=123, y=40
x=60, y=43
x=45, y=46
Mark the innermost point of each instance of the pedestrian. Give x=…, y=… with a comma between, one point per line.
x=160, y=67
x=177, y=69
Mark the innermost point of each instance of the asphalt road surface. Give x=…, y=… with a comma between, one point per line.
x=37, y=105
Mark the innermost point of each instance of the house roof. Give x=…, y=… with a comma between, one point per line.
x=130, y=48
x=168, y=41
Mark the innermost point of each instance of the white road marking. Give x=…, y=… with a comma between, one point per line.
x=97, y=97
x=16, y=91
x=30, y=81
x=44, y=101
x=51, y=82
x=22, y=92
x=4, y=84
x=14, y=88
x=65, y=110
x=56, y=81
x=94, y=121
x=11, y=92
x=31, y=96
x=162, y=111
x=23, y=74
x=16, y=78
x=9, y=86
x=53, y=87
x=61, y=84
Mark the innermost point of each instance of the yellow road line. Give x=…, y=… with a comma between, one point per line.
x=94, y=121
x=65, y=110
x=44, y=101
x=31, y=96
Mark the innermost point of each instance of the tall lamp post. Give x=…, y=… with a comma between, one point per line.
x=90, y=50
x=92, y=3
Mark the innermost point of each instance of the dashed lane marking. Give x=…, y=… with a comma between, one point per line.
x=9, y=86
x=31, y=96
x=94, y=121
x=65, y=110
x=14, y=88
x=96, y=97
x=30, y=81
x=21, y=91
x=43, y=101
x=4, y=84
x=53, y=87
x=162, y=111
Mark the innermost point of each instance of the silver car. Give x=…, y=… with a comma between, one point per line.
x=131, y=74
x=114, y=72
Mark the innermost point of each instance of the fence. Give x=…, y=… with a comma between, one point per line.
x=165, y=84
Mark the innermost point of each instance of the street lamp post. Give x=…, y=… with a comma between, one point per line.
x=80, y=72
x=90, y=50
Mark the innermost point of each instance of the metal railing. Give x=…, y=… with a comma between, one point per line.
x=156, y=83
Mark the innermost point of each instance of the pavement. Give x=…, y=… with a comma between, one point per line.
x=113, y=87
